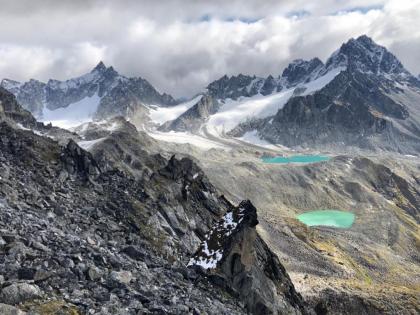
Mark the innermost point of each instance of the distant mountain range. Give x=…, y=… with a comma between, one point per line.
x=361, y=96
x=103, y=92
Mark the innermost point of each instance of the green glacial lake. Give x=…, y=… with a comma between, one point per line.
x=333, y=218
x=295, y=159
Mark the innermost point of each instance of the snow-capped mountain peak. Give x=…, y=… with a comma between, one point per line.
x=98, y=74
x=364, y=55
x=100, y=67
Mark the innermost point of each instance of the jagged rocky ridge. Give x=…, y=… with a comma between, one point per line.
x=372, y=104
x=12, y=112
x=299, y=71
x=117, y=94
x=79, y=235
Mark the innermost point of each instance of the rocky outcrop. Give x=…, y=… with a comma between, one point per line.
x=194, y=117
x=9, y=108
x=78, y=161
x=234, y=257
x=301, y=71
x=12, y=112
x=31, y=94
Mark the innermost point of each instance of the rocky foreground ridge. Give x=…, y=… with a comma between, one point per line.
x=81, y=236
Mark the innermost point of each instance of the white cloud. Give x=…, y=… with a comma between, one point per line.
x=180, y=46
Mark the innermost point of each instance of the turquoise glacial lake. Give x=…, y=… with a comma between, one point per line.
x=295, y=159
x=333, y=218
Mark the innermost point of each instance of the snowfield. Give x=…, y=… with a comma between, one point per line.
x=253, y=138
x=234, y=112
x=186, y=138
x=161, y=115
x=73, y=115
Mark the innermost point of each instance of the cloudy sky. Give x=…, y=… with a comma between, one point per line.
x=182, y=45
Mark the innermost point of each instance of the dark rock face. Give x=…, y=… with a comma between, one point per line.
x=243, y=86
x=128, y=98
x=110, y=87
x=78, y=161
x=270, y=86
x=122, y=146
x=297, y=72
x=193, y=118
x=232, y=87
x=233, y=256
x=300, y=71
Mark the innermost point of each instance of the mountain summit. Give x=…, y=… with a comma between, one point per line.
x=364, y=55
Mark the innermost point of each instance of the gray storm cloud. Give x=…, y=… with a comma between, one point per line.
x=180, y=46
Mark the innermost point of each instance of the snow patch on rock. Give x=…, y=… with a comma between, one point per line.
x=210, y=251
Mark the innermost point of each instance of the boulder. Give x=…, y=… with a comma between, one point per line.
x=19, y=292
